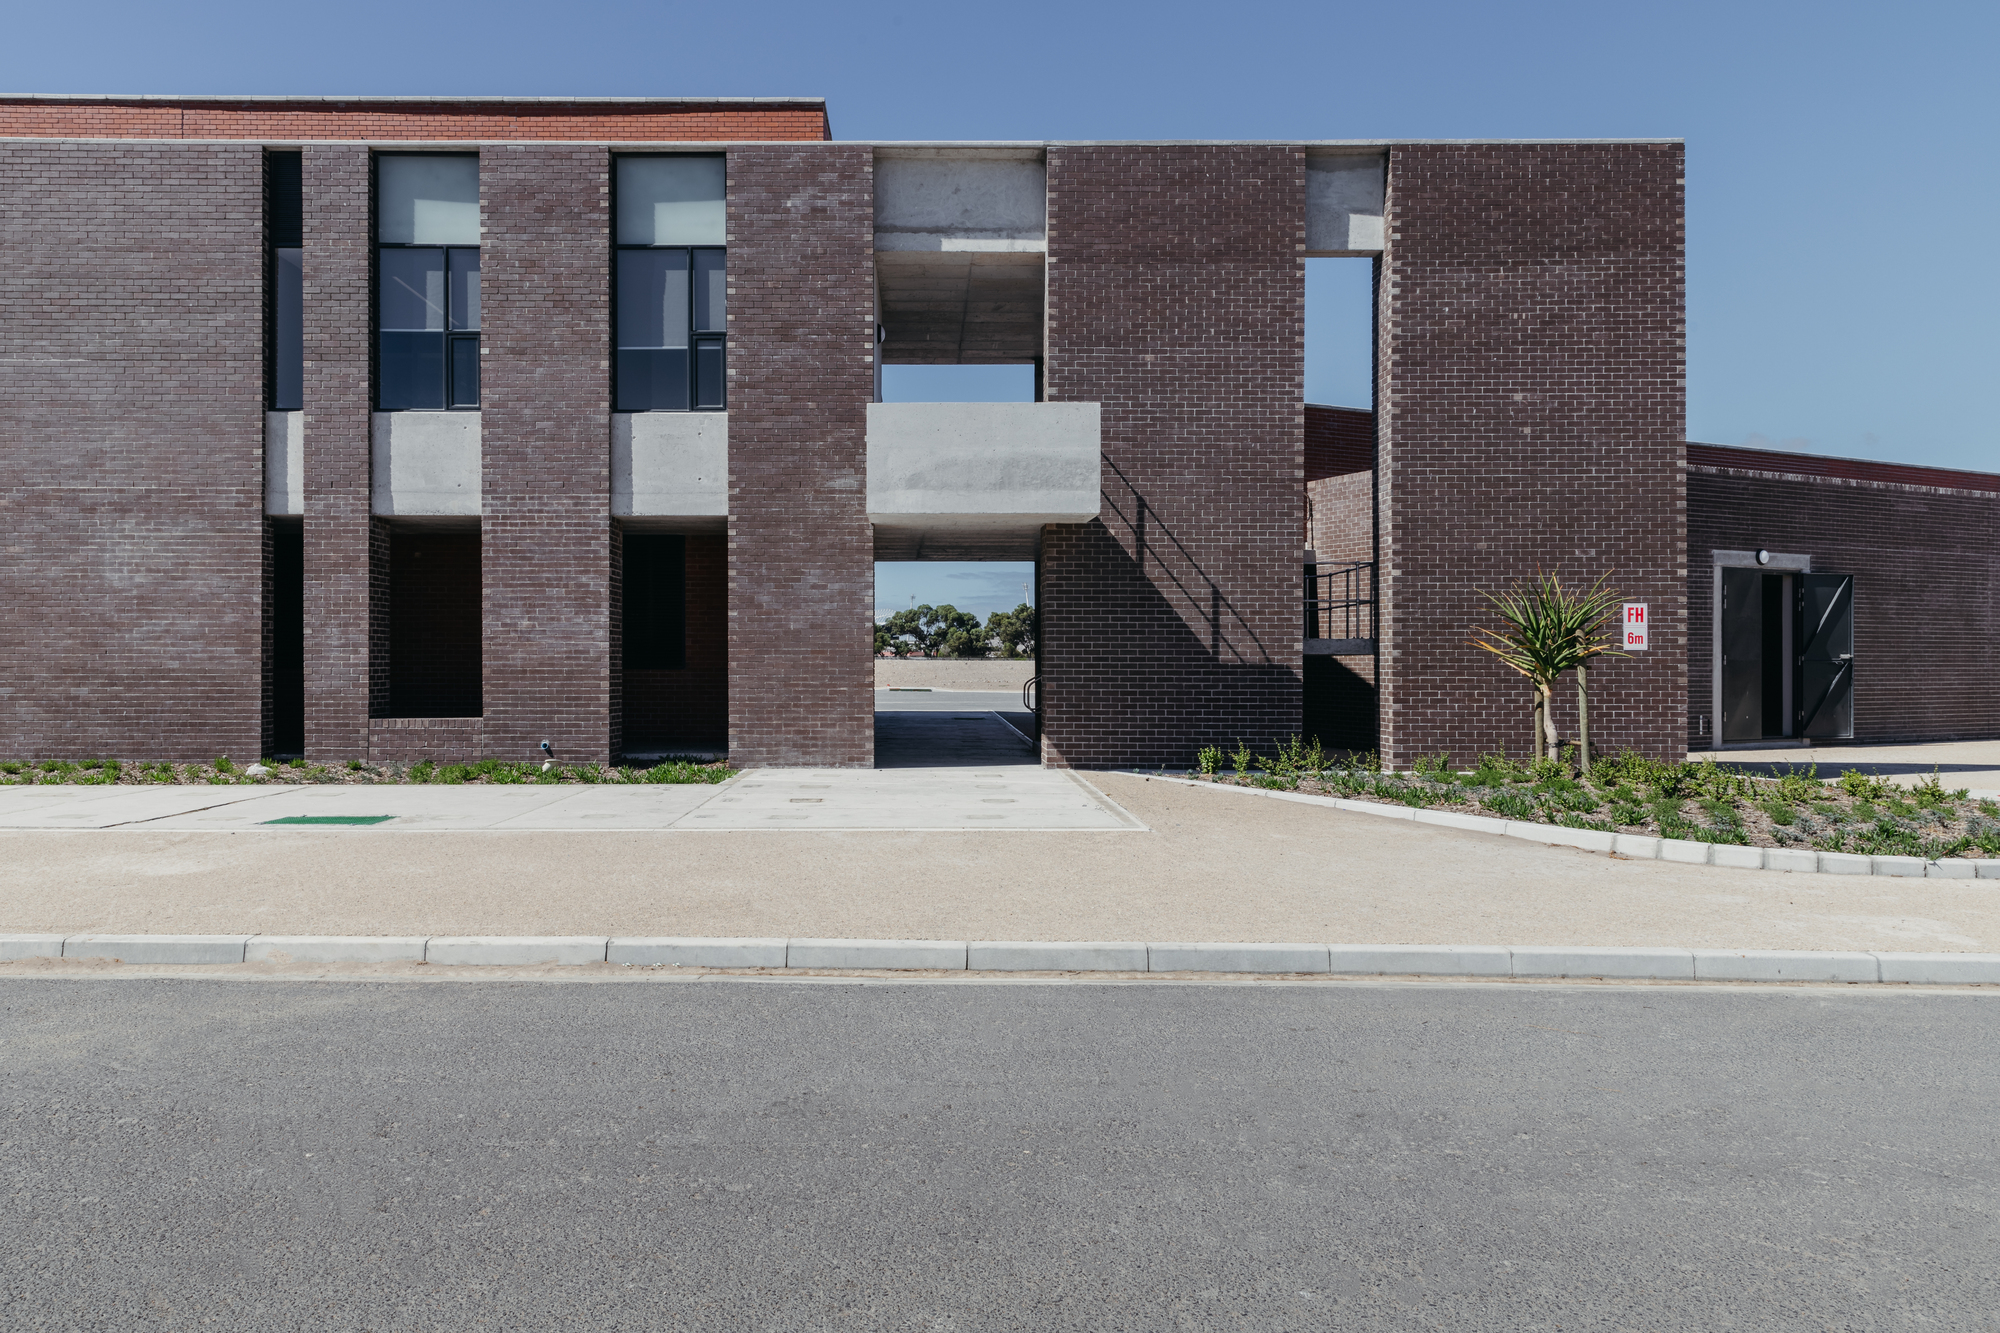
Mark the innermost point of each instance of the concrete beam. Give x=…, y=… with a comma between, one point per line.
x=424, y=463
x=1345, y=195
x=670, y=465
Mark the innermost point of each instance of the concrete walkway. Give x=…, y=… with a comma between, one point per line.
x=1210, y=865
x=1012, y=794
x=1973, y=764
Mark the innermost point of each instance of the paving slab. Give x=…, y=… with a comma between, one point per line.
x=909, y=800
x=52, y=806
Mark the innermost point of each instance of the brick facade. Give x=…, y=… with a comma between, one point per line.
x=383, y=119
x=131, y=478
x=1530, y=393
x=1925, y=556
x=434, y=624
x=346, y=551
x=545, y=445
x=801, y=373
x=1176, y=299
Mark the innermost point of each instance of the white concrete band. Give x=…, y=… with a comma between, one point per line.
x=1120, y=957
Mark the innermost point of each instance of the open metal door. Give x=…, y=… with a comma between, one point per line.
x=1742, y=655
x=1825, y=639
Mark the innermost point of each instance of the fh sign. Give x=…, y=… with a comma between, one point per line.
x=1635, y=626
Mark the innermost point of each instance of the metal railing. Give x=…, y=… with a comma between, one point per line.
x=1340, y=600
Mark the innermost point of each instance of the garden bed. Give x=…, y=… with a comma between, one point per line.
x=1696, y=801
x=223, y=772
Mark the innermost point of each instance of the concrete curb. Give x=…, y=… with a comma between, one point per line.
x=1611, y=963
x=1638, y=847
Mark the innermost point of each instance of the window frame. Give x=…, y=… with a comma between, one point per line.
x=273, y=243
x=696, y=338
x=450, y=335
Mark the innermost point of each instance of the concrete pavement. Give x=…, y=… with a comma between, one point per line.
x=1211, y=865
x=737, y=1155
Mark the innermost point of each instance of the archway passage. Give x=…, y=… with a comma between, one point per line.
x=955, y=729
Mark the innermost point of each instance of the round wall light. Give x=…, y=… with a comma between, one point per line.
x=1763, y=557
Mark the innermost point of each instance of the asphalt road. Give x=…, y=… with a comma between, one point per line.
x=281, y=1155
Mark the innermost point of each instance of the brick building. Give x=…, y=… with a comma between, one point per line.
x=400, y=428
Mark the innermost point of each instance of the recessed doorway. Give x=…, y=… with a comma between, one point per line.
x=1784, y=649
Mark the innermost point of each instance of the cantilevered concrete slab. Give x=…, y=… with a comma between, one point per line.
x=670, y=470
x=425, y=464
x=977, y=481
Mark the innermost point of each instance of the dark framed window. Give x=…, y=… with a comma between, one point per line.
x=284, y=334
x=670, y=298
x=426, y=281
x=655, y=592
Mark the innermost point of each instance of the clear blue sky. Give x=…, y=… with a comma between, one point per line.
x=1843, y=174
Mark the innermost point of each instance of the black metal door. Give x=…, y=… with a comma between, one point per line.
x=1742, y=655
x=1824, y=636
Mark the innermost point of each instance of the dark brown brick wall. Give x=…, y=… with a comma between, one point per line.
x=1341, y=518
x=801, y=372
x=545, y=441
x=689, y=707
x=346, y=642
x=308, y=119
x=1176, y=299
x=1338, y=441
x=131, y=474
x=1926, y=567
x=1531, y=399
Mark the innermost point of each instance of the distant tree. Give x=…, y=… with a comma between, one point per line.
x=934, y=631
x=1015, y=631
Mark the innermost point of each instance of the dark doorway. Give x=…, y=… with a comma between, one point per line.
x=1786, y=648
x=674, y=627
x=288, y=637
x=434, y=624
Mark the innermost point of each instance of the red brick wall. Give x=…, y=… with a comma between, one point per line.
x=417, y=119
x=690, y=707
x=545, y=443
x=346, y=647
x=1176, y=299
x=1531, y=404
x=1926, y=567
x=131, y=473
x=801, y=372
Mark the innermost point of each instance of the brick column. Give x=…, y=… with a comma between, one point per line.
x=1176, y=299
x=1531, y=398
x=545, y=394
x=131, y=477
x=801, y=372
x=340, y=613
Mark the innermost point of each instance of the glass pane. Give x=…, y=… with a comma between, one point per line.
x=288, y=332
x=422, y=200
x=412, y=289
x=653, y=380
x=670, y=200
x=410, y=368
x=711, y=291
x=652, y=298
x=464, y=288
x=708, y=373
x=465, y=372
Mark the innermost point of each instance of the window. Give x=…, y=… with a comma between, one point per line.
x=285, y=336
x=427, y=281
x=672, y=285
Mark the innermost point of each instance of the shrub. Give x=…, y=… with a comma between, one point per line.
x=1781, y=811
x=1626, y=814
x=1494, y=770
x=1436, y=767
x=1240, y=759
x=1207, y=759
x=1862, y=787
x=421, y=770
x=1510, y=805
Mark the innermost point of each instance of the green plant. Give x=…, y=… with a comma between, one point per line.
x=1863, y=787
x=1547, y=629
x=1544, y=769
x=1990, y=807
x=1828, y=811
x=1796, y=786
x=1866, y=810
x=1436, y=767
x=1509, y=805
x=421, y=771
x=1494, y=770
x=1930, y=793
x=12, y=766
x=1208, y=758
x=1240, y=759
x=1628, y=814
x=1368, y=761
x=1720, y=813
x=1781, y=811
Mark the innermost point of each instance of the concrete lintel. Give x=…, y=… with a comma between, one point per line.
x=284, y=464
x=983, y=464
x=425, y=463
x=670, y=465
